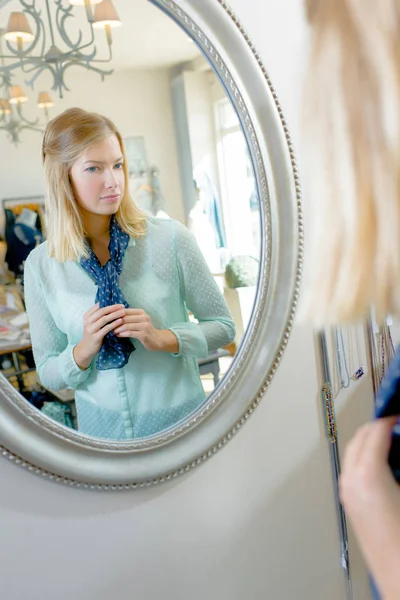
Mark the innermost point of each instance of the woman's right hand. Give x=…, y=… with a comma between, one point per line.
x=97, y=322
x=371, y=498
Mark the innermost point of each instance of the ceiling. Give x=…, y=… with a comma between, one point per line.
x=146, y=39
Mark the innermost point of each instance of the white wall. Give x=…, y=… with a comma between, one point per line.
x=256, y=522
x=139, y=102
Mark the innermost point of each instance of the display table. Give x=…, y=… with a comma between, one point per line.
x=14, y=331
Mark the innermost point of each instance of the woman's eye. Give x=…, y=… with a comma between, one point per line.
x=92, y=169
x=119, y=165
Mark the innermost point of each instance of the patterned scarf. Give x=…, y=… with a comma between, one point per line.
x=114, y=352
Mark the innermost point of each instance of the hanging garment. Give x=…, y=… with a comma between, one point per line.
x=22, y=240
x=211, y=203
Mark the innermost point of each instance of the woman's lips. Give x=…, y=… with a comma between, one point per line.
x=112, y=198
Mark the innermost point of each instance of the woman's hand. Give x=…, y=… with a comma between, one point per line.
x=137, y=324
x=371, y=498
x=97, y=322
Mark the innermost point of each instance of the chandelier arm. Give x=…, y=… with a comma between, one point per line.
x=13, y=134
x=17, y=65
x=26, y=71
x=11, y=128
x=38, y=129
x=76, y=47
x=32, y=128
x=23, y=119
x=58, y=79
x=85, y=58
x=101, y=72
x=14, y=129
x=100, y=60
x=53, y=42
x=79, y=57
x=34, y=62
x=38, y=59
x=58, y=83
x=104, y=61
x=62, y=14
x=80, y=48
x=31, y=81
x=44, y=67
x=5, y=79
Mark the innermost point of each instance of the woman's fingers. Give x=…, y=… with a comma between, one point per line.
x=130, y=329
x=379, y=439
x=107, y=328
x=366, y=460
x=136, y=320
x=105, y=314
x=125, y=322
x=370, y=443
x=129, y=333
x=136, y=316
x=135, y=311
x=94, y=309
x=109, y=318
x=354, y=448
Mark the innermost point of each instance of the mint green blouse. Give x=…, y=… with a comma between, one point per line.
x=164, y=273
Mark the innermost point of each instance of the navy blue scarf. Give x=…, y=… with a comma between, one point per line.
x=114, y=352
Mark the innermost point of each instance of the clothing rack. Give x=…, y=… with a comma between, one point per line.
x=18, y=203
x=328, y=408
x=22, y=200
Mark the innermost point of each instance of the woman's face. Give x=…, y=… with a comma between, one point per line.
x=97, y=177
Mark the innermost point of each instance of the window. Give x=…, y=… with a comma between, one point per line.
x=238, y=187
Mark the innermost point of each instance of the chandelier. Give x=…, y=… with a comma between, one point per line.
x=35, y=51
x=12, y=97
x=12, y=118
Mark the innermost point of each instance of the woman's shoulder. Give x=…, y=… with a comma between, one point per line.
x=39, y=256
x=170, y=228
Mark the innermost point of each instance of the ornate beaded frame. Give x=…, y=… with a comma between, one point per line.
x=56, y=453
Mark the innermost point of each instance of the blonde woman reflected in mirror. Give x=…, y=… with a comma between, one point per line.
x=351, y=135
x=108, y=294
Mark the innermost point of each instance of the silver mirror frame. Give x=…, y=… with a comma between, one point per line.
x=31, y=440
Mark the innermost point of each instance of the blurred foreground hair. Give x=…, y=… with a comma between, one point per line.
x=351, y=133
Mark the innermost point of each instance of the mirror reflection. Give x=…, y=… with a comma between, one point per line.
x=130, y=238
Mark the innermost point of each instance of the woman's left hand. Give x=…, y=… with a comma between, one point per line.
x=137, y=324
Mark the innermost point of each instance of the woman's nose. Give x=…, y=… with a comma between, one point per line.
x=111, y=180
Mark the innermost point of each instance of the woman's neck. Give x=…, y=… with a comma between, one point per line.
x=97, y=227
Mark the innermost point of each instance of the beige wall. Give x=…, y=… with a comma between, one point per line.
x=256, y=522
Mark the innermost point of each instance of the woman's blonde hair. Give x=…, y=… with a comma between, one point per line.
x=66, y=138
x=352, y=143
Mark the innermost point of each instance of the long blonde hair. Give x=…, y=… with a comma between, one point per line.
x=66, y=138
x=352, y=147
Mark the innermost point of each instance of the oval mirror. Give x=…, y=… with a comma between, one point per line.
x=139, y=358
